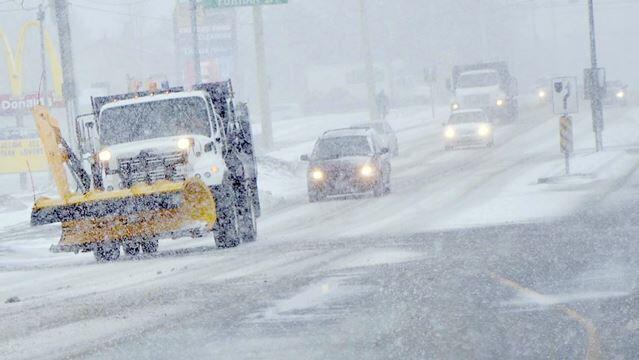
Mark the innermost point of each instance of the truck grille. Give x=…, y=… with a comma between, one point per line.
x=475, y=100
x=149, y=168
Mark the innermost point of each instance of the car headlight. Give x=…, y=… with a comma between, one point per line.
x=449, y=133
x=621, y=94
x=484, y=130
x=454, y=106
x=104, y=155
x=367, y=171
x=542, y=94
x=500, y=102
x=317, y=175
x=184, y=143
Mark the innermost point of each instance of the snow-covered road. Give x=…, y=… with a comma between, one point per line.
x=320, y=275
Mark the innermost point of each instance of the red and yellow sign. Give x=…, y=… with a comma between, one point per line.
x=21, y=156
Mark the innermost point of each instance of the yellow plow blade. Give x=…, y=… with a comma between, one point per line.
x=143, y=211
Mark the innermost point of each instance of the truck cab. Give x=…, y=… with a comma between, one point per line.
x=489, y=87
x=171, y=136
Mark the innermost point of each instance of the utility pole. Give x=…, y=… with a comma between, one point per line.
x=262, y=78
x=553, y=19
x=368, y=61
x=595, y=102
x=43, y=78
x=196, y=46
x=61, y=8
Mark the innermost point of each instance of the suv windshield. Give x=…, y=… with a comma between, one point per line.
x=154, y=119
x=336, y=147
x=470, y=80
x=467, y=117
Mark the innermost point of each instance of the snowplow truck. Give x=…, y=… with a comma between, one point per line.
x=486, y=86
x=157, y=164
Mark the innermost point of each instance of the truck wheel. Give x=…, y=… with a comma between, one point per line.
x=150, y=246
x=107, y=251
x=131, y=248
x=225, y=229
x=245, y=213
x=255, y=197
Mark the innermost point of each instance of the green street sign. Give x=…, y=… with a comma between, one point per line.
x=235, y=3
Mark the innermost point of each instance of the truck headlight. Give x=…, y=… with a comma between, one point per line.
x=542, y=94
x=449, y=133
x=318, y=174
x=367, y=171
x=620, y=94
x=104, y=155
x=454, y=106
x=500, y=102
x=184, y=143
x=484, y=130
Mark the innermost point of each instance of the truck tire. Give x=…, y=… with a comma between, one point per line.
x=150, y=246
x=255, y=196
x=131, y=248
x=245, y=211
x=107, y=251
x=225, y=230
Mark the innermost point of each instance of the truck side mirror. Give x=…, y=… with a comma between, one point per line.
x=304, y=158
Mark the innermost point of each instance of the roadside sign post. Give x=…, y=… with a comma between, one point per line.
x=262, y=74
x=565, y=102
x=430, y=76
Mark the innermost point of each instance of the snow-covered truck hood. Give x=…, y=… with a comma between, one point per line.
x=349, y=161
x=155, y=146
x=478, y=90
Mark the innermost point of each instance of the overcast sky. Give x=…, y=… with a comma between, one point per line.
x=539, y=38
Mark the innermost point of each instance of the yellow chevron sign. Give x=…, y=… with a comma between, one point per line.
x=566, y=135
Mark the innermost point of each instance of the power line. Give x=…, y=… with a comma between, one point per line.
x=124, y=3
x=82, y=6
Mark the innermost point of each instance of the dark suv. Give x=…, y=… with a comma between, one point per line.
x=348, y=162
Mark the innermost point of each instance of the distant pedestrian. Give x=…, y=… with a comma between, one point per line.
x=382, y=105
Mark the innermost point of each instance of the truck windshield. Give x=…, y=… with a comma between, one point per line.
x=333, y=148
x=478, y=79
x=154, y=119
x=467, y=117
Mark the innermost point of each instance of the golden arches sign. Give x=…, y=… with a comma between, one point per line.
x=15, y=61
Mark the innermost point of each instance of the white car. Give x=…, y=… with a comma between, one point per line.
x=386, y=134
x=468, y=127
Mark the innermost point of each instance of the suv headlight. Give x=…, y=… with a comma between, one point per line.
x=484, y=130
x=449, y=133
x=500, y=102
x=317, y=174
x=367, y=170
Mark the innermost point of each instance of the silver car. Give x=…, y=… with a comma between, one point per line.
x=468, y=127
x=386, y=134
